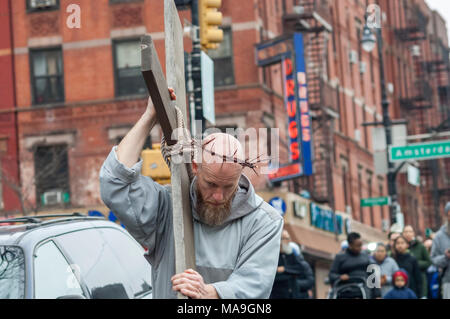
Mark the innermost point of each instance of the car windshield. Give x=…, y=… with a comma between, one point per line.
x=12, y=273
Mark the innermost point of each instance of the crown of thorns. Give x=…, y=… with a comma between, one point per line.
x=192, y=146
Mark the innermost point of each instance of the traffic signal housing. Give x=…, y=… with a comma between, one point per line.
x=210, y=20
x=154, y=165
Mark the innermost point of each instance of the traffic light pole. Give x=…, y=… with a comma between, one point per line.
x=197, y=71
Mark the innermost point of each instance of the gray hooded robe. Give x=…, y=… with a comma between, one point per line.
x=239, y=258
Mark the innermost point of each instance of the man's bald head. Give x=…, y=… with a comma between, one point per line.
x=218, y=152
x=217, y=178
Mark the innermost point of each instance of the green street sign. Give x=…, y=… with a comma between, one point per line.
x=378, y=201
x=421, y=151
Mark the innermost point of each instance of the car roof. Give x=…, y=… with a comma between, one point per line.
x=29, y=234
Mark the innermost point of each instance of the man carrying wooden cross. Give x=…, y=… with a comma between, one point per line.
x=236, y=234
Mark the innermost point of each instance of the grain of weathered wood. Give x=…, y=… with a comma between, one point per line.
x=157, y=88
x=182, y=217
x=166, y=115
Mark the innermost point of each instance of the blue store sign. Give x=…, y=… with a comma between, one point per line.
x=279, y=204
x=323, y=219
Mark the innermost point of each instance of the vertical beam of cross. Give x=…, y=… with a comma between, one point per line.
x=166, y=115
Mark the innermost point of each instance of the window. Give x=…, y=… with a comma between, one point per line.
x=111, y=263
x=369, y=186
x=52, y=175
x=127, y=64
x=361, y=209
x=41, y=5
x=345, y=184
x=12, y=273
x=223, y=60
x=53, y=276
x=47, y=76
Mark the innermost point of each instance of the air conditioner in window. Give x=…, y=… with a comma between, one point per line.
x=415, y=50
x=348, y=210
x=385, y=225
x=362, y=67
x=390, y=88
x=52, y=197
x=353, y=56
x=358, y=135
x=299, y=9
x=36, y=4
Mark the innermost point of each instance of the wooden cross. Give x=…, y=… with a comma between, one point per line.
x=166, y=115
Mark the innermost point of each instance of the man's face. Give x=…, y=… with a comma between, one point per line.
x=380, y=253
x=408, y=233
x=394, y=236
x=285, y=239
x=356, y=246
x=401, y=245
x=216, y=186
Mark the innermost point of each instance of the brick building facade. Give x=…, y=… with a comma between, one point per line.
x=78, y=92
x=9, y=171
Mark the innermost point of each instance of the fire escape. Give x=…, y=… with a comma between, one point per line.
x=417, y=97
x=437, y=171
x=422, y=106
x=311, y=19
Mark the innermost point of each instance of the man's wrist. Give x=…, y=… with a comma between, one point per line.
x=146, y=117
x=211, y=292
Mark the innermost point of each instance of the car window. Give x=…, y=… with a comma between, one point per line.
x=110, y=263
x=12, y=273
x=53, y=276
x=131, y=257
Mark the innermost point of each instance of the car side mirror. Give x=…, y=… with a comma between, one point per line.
x=72, y=297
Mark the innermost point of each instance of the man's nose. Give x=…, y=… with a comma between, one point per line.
x=218, y=196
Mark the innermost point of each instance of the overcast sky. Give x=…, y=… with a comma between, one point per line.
x=443, y=7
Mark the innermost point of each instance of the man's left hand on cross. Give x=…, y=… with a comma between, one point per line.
x=190, y=283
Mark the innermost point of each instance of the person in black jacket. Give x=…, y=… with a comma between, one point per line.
x=292, y=279
x=305, y=281
x=409, y=263
x=352, y=263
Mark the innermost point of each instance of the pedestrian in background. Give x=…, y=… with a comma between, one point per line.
x=388, y=267
x=409, y=263
x=400, y=290
x=353, y=263
x=418, y=250
x=305, y=280
x=392, y=236
x=291, y=278
x=428, y=243
x=433, y=274
x=440, y=254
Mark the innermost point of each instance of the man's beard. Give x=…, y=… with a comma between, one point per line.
x=213, y=215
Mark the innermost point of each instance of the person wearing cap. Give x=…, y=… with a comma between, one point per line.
x=440, y=253
x=418, y=250
x=400, y=290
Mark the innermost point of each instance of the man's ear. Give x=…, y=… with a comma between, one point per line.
x=194, y=167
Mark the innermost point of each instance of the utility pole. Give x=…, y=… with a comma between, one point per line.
x=387, y=123
x=368, y=43
x=196, y=71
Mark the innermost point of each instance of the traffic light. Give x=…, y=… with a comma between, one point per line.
x=210, y=20
x=154, y=165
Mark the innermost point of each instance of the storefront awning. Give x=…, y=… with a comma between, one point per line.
x=314, y=242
